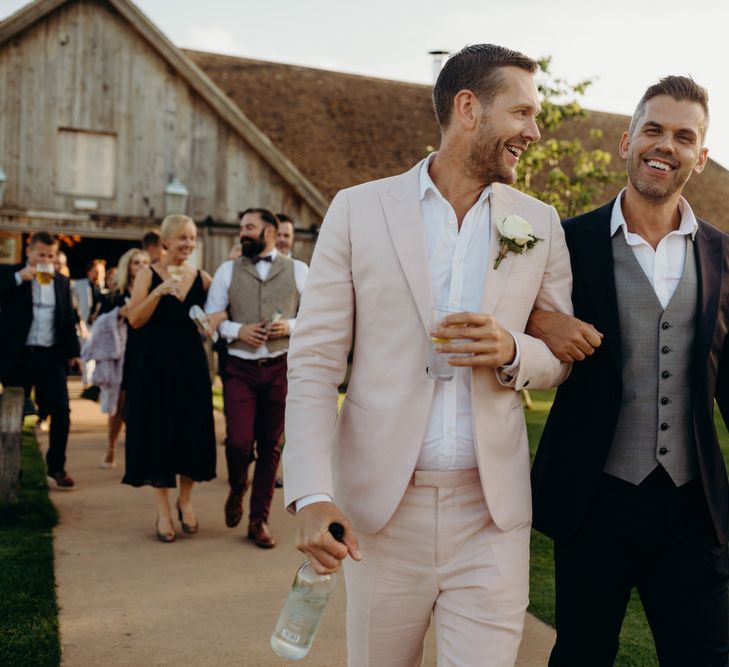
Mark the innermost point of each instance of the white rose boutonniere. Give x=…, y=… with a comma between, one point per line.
x=515, y=235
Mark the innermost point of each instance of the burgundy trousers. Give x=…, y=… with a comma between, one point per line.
x=255, y=403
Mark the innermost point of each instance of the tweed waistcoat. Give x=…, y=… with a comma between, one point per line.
x=655, y=425
x=252, y=299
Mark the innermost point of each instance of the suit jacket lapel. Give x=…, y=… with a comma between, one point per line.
x=593, y=254
x=58, y=308
x=405, y=224
x=501, y=205
x=708, y=251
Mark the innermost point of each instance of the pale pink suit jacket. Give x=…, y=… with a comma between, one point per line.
x=369, y=286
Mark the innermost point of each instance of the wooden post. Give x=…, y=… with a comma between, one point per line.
x=11, y=425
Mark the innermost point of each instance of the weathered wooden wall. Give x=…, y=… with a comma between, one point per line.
x=85, y=67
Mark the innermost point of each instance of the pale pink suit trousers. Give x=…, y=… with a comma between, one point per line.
x=440, y=554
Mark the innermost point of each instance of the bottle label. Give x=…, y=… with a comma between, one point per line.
x=294, y=637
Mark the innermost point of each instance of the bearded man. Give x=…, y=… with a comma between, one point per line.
x=629, y=479
x=430, y=477
x=255, y=298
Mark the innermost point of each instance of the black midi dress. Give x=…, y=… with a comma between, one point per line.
x=169, y=405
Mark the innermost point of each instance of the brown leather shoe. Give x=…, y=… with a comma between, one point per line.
x=234, y=508
x=63, y=480
x=258, y=533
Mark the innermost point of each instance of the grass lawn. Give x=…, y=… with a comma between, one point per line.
x=29, y=626
x=636, y=644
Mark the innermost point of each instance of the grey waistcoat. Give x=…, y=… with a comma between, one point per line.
x=253, y=299
x=655, y=420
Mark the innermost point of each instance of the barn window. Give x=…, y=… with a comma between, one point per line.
x=86, y=163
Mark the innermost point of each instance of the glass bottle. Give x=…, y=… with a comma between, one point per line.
x=304, y=608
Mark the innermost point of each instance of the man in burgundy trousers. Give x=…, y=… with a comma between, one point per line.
x=260, y=293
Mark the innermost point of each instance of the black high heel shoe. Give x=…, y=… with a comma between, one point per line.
x=164, y=537
x=186, y=527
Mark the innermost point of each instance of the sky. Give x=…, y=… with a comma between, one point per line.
x=626, y=45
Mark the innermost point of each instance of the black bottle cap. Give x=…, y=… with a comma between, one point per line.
x=337, y=531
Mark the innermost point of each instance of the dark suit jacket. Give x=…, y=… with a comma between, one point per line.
x=16, y=316
x=580, y=427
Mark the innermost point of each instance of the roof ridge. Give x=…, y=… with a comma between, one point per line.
x=353, y=75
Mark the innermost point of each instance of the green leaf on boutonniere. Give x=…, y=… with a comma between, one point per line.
x=510, y=245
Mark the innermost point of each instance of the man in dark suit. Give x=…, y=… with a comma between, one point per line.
x=38, y=341
x=629, y=479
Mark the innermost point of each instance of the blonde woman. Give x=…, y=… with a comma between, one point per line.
x=130, y=263
x=170, y=429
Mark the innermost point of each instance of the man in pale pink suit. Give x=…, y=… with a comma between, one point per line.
x=429, y=478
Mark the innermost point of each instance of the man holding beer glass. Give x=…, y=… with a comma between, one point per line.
x=38, y=341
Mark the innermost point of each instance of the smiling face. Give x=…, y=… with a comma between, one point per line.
x=665, y=147
x=505, y=129
x=181, y=244
x=257, y=237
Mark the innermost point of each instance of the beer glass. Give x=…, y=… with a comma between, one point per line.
x=44, y=273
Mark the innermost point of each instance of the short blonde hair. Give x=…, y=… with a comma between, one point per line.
x=125, y=261
x=172, y=225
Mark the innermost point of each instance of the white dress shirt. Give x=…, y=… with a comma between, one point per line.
x=458, y=265
x=664, y=265
x=42, y=331
x=217, y=301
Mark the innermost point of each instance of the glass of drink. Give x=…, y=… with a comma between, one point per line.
x=438, y=366
x=176, y=272
x=44, y=273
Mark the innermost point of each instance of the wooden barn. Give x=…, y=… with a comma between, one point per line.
x=105, y=124
x=102, y=119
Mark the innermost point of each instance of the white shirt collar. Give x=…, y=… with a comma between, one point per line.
x=688, y=225
x=426, y=183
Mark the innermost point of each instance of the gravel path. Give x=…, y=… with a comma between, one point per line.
x=209, y=599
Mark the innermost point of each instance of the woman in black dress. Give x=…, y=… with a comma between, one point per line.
x=169, y=414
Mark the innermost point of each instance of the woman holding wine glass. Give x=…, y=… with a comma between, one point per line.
x=170, y=428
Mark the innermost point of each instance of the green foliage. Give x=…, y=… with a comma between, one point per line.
x=29, y=627
x=561, y=172
x=509, y=245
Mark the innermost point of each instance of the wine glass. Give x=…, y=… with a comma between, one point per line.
x=176, y=272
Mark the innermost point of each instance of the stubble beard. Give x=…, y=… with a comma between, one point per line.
x=485, y=161
x=657, y=192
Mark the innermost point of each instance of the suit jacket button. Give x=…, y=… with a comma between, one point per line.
x=665, y=325
x=664, y=426
x=664, y=401
x=663, y=451
x=665, y=375
x=665, y=349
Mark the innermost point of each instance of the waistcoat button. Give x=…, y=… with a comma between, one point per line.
x=663, y=451
x=665, y=374
x=664, y=426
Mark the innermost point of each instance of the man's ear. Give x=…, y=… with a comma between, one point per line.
x=467, y=110
x=701, y=163
x=623, y=145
